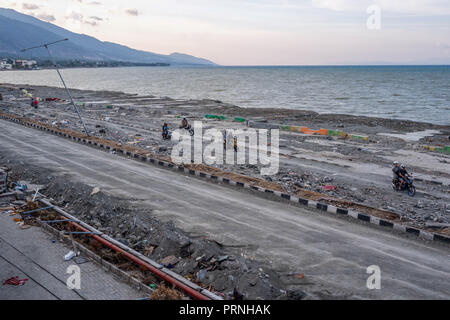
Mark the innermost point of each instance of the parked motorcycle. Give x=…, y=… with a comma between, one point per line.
x=407, y=185
x=167, y=135
x=189, y=128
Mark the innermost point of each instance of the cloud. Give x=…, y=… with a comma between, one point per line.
x=416, y=7
x=132, y=12
x=75, y=16
x=92, y=23
x=46, y=17
x=96, y=18
x=29, y=6
x=335, y=5
x=94, y=3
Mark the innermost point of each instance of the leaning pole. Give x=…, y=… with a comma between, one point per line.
x=46, y=45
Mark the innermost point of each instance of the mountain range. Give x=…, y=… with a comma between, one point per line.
x=19, y=31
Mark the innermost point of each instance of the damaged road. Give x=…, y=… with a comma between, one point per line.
x=331, y=253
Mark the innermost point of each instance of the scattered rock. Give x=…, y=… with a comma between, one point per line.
x=95, y=191
x=296, y=294
x=169, y=260
x=200, y=275
x=222, y=258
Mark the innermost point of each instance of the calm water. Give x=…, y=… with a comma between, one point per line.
x=407, y=92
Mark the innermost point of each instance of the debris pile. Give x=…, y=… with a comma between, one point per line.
x=205, y=262
x=165, y=293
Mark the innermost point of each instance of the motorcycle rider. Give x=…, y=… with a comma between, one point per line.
x=187, y=126
x=395, y=174
x=403, y=174
x=184, y=124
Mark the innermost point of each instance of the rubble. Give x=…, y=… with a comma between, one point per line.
x=201, y=260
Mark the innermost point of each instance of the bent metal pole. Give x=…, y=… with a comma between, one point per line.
x=45, y=45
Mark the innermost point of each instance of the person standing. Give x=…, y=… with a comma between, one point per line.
x=165, y=131
x=35, y=102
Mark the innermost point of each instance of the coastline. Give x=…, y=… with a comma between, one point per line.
x=227, y=109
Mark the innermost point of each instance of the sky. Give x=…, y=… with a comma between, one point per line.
x=263, y=32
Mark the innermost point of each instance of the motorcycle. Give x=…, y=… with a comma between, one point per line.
x=407, y=185
x=189, y=128
x=167, y=135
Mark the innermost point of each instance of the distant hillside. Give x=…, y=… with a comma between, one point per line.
x=20, y=31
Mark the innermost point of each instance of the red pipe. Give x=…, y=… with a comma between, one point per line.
x=193, y=293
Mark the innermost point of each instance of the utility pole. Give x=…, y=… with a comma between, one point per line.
x=45, y=45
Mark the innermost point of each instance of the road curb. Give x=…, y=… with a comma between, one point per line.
x=283, y=196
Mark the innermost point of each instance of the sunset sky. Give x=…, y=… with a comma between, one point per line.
x=262, y=32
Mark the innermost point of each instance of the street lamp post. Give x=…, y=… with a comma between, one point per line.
x=46, y=45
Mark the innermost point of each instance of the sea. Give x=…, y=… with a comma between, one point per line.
x=418, y=93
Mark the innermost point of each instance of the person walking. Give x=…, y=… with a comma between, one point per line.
x=35, y=103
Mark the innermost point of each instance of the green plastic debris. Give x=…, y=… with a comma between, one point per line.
x=239, y=119
x=333, y=132
x=151, y=285
x=214, y=116
x=445, y=149
x=360, y=137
